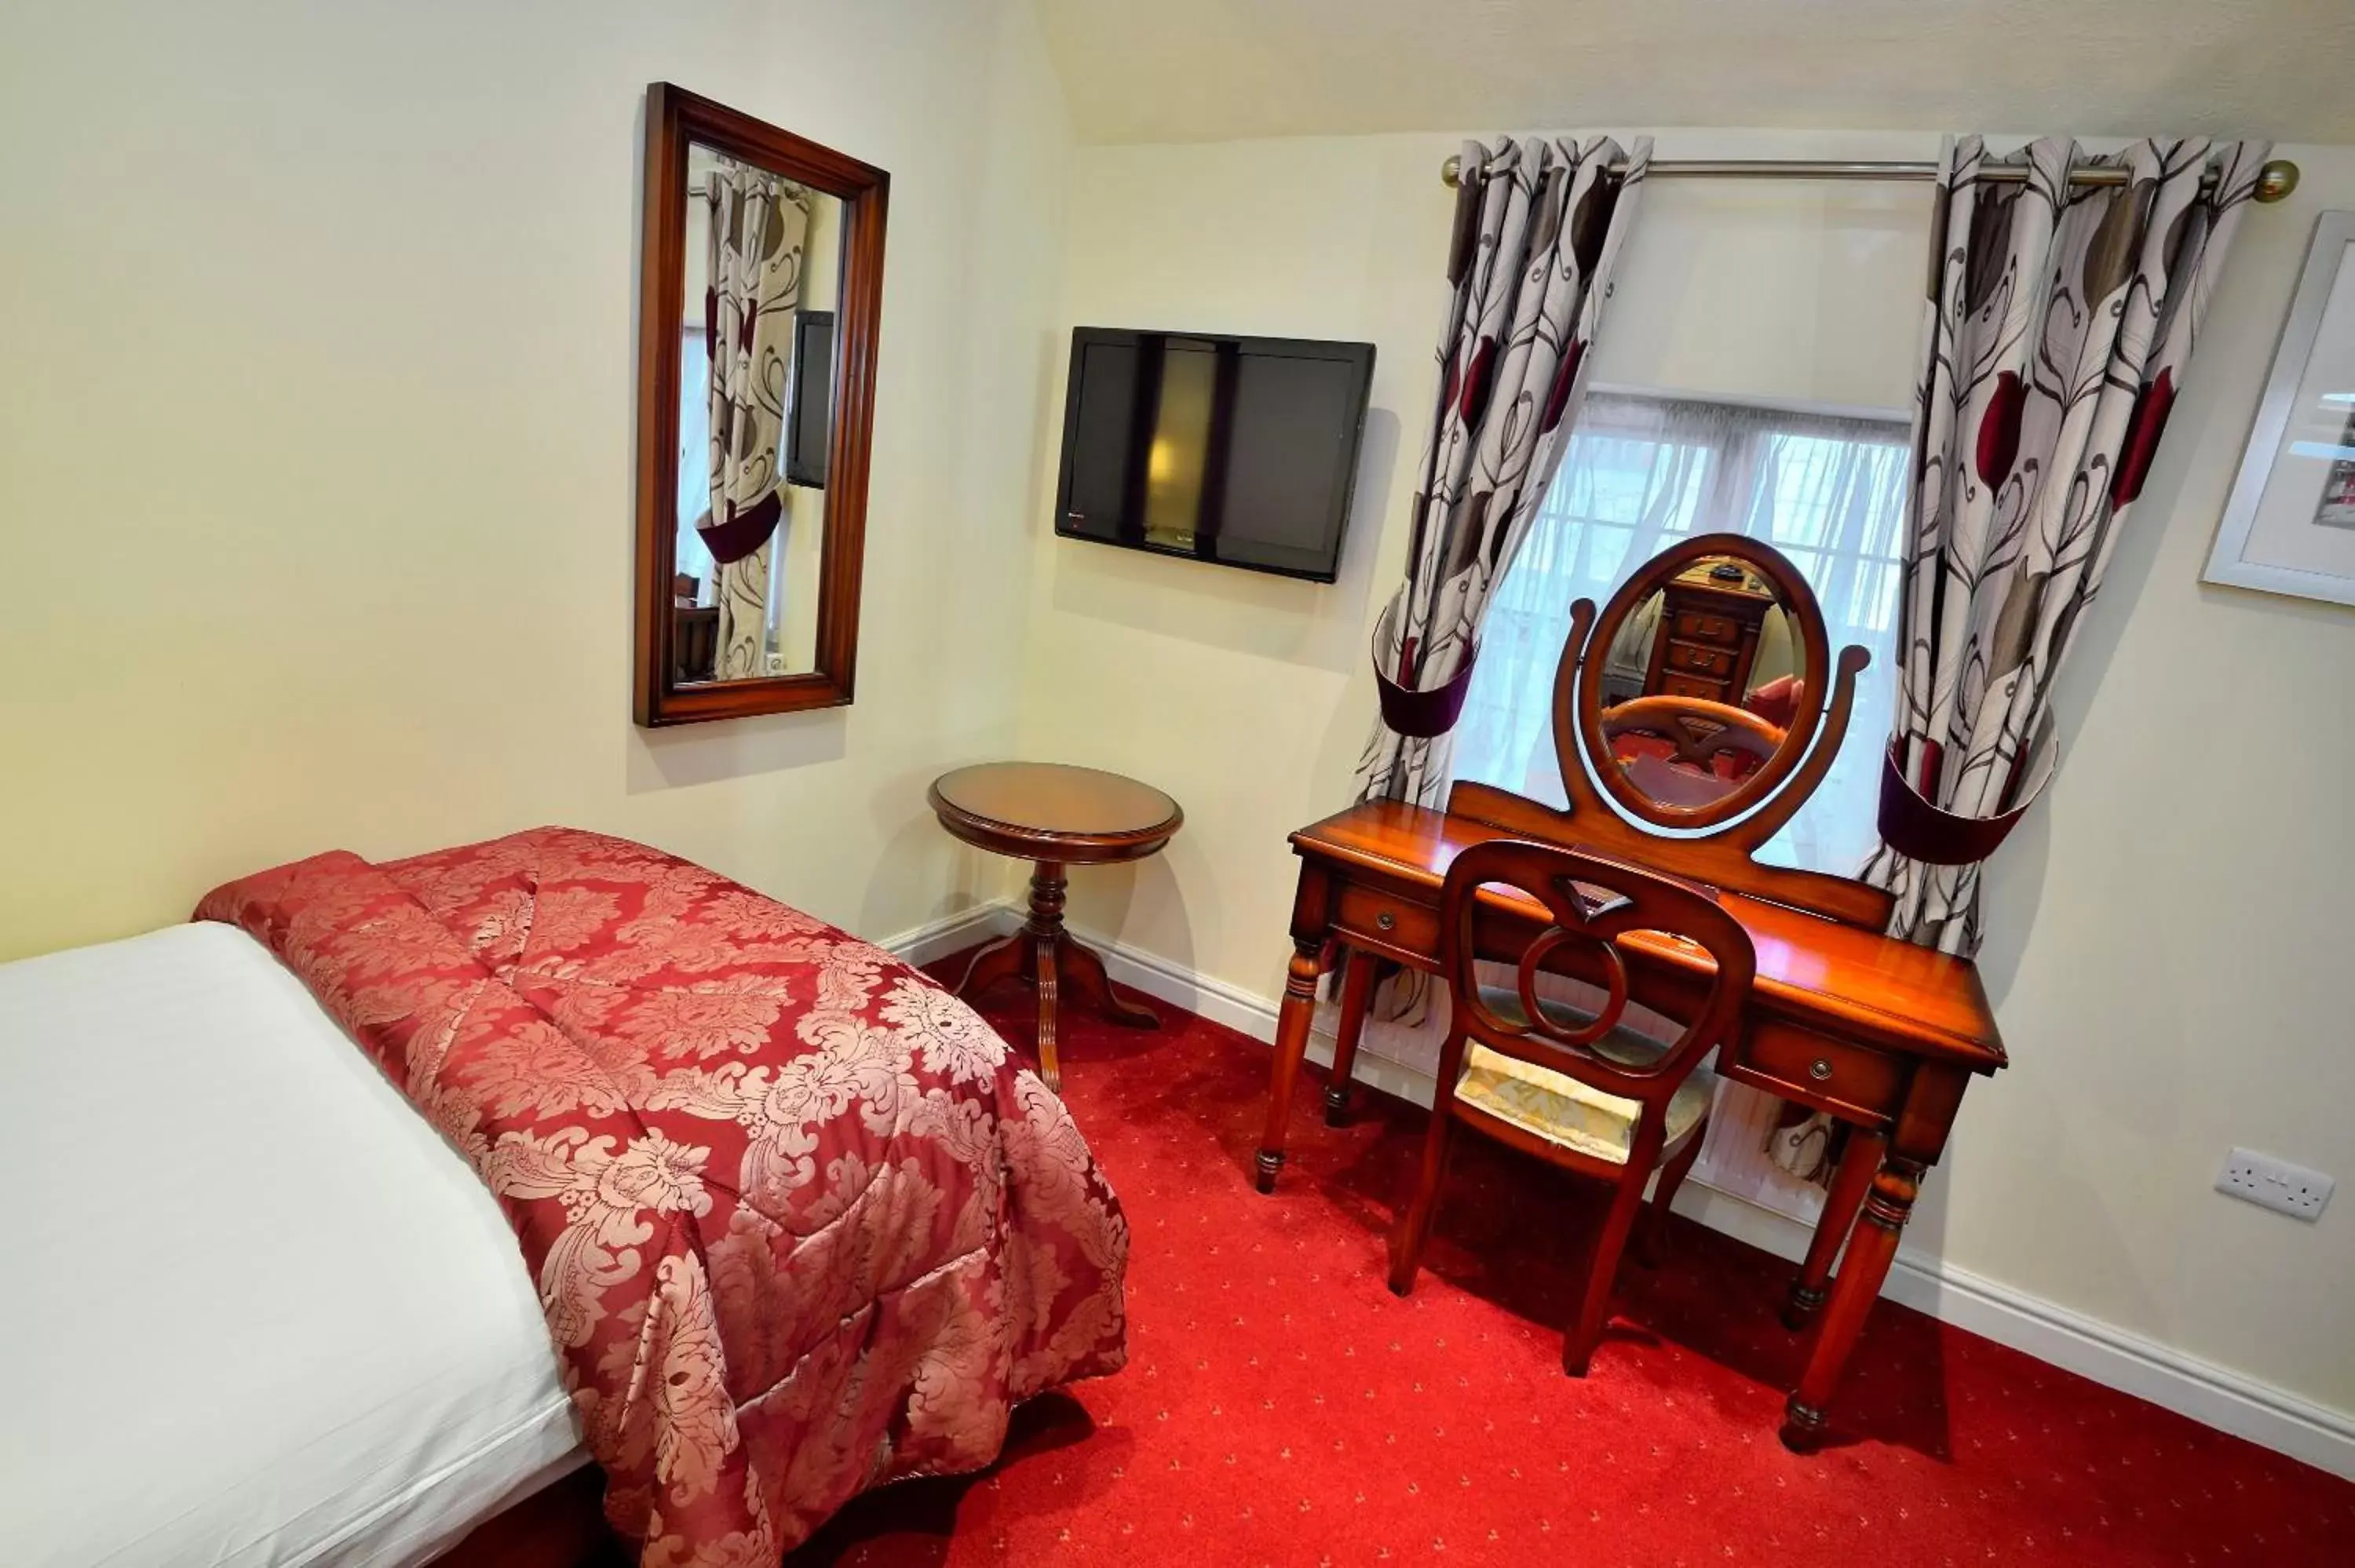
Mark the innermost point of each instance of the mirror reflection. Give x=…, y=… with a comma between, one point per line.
x=763, y=274
x=1701, y=683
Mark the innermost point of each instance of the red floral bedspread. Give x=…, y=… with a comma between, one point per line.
x=800, y=1223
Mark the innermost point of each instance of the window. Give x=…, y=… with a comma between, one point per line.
x=1827, y=489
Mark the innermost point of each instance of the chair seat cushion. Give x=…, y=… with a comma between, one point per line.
x=1558, y=1108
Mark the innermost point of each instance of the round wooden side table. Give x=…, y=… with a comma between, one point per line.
x=1056, y=816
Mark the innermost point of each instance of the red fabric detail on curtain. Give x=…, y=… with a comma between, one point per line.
x=1999, y=428
x=1479, y=382
x=2148, y=422
x=1563, y=379
x=1934, y=757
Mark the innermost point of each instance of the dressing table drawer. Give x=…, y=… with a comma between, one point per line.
x=1703, y=660
x=1367, y=917
x=1703, y=626
x=1692, y=686
x=1810, y=1067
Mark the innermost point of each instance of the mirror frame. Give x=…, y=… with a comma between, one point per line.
x=1798, y=601
x=1712, y=857
x=675, y=119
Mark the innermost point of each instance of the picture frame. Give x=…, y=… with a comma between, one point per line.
x=2289, y=524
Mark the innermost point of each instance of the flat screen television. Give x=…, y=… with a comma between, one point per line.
x=809, y=422
x=1239, y=450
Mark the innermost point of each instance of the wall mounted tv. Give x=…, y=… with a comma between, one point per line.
x=1239, y=450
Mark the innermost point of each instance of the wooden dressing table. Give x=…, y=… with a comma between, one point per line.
x=1880, y=1034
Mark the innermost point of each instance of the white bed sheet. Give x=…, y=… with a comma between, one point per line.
x=255, y=1309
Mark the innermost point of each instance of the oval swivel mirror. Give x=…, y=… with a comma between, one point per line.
x=1703, y=699
x=1703, y=682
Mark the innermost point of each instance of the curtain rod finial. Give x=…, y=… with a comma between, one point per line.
x=1451, y=170
x=2276, y=180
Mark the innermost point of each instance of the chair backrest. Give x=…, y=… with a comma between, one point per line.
x=1593, y=904
x=1697, y=727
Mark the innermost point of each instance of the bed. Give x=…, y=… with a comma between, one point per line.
x=295, y=1302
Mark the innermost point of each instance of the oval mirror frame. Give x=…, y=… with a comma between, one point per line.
x=675, y=119
x=1798, y=601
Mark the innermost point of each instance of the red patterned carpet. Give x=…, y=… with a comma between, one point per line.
x=1282, y=1407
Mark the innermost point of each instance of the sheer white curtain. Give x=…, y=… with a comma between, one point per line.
x=1828, y=491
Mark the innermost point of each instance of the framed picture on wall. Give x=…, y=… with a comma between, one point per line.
x=2289, y=526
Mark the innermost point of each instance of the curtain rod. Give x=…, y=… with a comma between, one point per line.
x=2275, y=180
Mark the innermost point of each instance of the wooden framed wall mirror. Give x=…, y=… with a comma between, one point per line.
x=760, y=297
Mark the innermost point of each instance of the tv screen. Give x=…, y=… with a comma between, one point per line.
x=1240, y=450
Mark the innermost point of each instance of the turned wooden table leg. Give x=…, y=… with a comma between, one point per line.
x=1291, y=1045
x=1045, y=953
x=1886, y=1208
x=1850, y=1180
x=1357, y=990
x=1044, y=931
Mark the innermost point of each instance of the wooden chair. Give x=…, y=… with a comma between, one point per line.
x=1576, y=1088
x=1697, y=732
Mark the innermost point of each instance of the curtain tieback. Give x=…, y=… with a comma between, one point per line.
x=1422, y=715
x=744, y=532
x=1918, y=830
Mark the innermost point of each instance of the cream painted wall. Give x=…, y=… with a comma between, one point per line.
x=2163, y=960
x=316, y=443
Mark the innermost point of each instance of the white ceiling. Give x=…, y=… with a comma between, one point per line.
x=1183, y=70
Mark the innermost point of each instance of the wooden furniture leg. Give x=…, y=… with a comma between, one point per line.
x=1045, y=931
x=1045, y=953
x=1050, y=1069
x=1601, y=1271
x=1886, y=1208
x=1652, y=1241
x=1291, y=1045
x=1406, y=1241
x=1357, y=991
x=1850, y=1180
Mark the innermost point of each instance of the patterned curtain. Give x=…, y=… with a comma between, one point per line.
x=759, y=225
x=2060, y=320
x=1538, y=226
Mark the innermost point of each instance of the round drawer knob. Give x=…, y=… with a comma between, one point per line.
x=1819, y=1070
x=1386, y=920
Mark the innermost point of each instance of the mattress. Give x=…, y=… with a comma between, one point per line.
x=256, y=1311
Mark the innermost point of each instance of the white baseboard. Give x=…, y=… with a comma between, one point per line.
x=2212, y=1395
x=2101, y=1353
x=964, y=928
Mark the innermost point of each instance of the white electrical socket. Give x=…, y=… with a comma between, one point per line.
x=2274, y=1183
